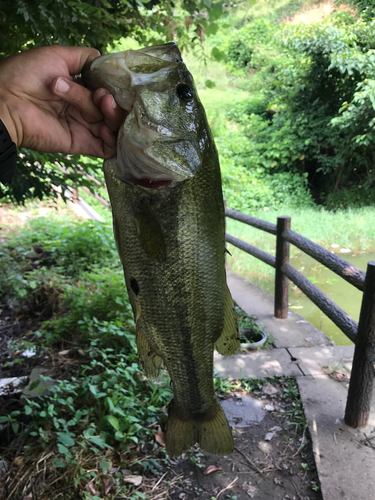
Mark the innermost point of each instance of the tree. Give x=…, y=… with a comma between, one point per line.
x=317, y=111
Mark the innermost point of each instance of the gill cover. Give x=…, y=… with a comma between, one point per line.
x=159, y=139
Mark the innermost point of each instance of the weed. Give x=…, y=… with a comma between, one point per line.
x=105, y=403
x=223, y=385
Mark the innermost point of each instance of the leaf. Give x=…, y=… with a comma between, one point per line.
x=58, y=463
x=98, y=442
x=89, y=432
x=104, y=464
x=136, y=480
x=33, y=385
x=114, y=422
x=66, y=440
x=107, y=485
x=90, y=487
x=210, y=84
x=217, y=54
x=212, y=468
x=207, y=3
x=62, y=449
x=160, y=436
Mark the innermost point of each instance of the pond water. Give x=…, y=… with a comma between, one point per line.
x=342, y=293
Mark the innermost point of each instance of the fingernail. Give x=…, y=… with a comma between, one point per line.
x=62, y=85
x=114, y=104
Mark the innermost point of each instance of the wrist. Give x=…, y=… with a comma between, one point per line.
x=8, y=155
x=9, y=123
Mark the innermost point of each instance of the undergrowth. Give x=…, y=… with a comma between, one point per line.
x=100, y=414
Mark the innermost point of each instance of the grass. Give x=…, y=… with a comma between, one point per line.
x=352, y=228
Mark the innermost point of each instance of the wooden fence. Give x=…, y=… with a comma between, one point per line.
x=362, y=334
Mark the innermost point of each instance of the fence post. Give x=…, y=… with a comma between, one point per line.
x=282, y=257
x=358, y=404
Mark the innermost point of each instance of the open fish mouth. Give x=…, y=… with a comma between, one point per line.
x=151, y=154
x=157, y=146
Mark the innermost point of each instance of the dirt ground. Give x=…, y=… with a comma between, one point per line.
x=317, y=12
x=270, y=461
x=279, y=469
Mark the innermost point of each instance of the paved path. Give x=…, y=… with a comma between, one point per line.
x=345, y=457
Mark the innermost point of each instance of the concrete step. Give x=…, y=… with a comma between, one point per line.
x=295, y=331
x=345, y=457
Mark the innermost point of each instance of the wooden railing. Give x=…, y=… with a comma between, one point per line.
x=362, y=334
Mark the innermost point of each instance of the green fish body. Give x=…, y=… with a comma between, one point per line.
x=168, y=217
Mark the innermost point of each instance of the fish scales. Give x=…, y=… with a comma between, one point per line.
x=169, y=230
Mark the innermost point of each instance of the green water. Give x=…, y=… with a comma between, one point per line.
x=341, y=292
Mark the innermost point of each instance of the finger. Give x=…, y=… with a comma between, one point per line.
x=109, y=139
x=75, y=57
x=113, y=114
x=78, y=96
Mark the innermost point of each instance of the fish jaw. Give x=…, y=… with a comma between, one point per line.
x=160, y=141
x=120, y=72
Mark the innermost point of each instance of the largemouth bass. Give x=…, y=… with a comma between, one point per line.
x=168, y=217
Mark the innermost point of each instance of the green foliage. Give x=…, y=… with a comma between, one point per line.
x=84, y=251
x=294, y=412
x=104, y=401
x=223, y=386
x=86, y=22
x=254, y=174
x=74, y=248
x=251, y=49
x=366, y=8
x=314, y=110
x=37, y=172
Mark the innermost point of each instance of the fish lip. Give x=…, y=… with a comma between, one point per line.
x=152, y=184
x=149, y=184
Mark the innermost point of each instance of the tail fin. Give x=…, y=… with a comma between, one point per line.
x=213, y=435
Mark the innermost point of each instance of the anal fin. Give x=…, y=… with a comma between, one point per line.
x=229, y=341
x=150, y=361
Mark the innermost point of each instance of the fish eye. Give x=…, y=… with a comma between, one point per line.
x=184, y=92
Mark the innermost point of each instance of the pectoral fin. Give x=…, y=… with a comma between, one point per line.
x=150, y=361
x=229, y=341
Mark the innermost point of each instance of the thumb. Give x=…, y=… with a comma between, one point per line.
x=77, y=95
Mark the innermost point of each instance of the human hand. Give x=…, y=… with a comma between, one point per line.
x=45, y=109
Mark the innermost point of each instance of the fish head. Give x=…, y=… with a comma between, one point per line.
x=165, y=133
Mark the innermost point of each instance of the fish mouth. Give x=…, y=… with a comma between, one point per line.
x=152, y=154
x=152, y=184
x=151, y=150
